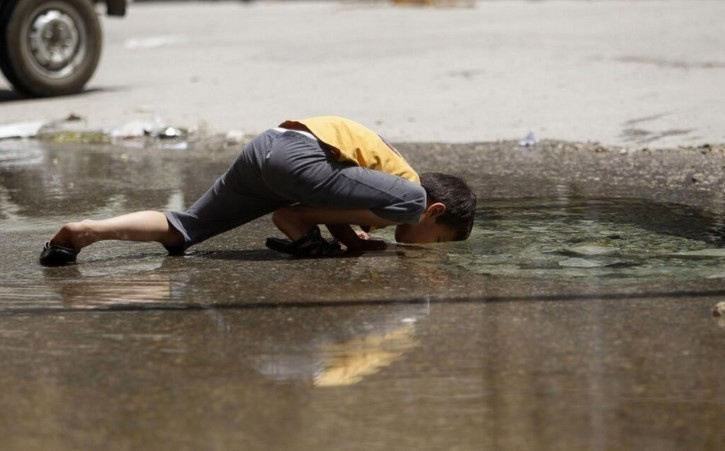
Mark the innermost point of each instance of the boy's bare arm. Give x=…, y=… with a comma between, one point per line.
x=297, y=221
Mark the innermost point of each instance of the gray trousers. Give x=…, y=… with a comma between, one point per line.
x=281, y=168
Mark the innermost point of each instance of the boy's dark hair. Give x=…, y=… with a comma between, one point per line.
x=458, y=198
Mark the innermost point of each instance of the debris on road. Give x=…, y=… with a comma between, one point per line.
x=234, y=137
x=529, y=141
x=75, y=129
x=20, y=130
x=169, y=133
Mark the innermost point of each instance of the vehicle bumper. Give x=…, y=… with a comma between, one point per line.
x=116, y=7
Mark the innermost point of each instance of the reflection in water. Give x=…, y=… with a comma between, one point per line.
x=347, y=363
x=16, y=154
x=330, y=364
x=558, y=375
x=343, y=353
x=146, y=289
x=41, y=180
x=346, y=351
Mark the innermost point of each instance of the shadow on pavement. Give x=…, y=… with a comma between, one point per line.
x=9, y=96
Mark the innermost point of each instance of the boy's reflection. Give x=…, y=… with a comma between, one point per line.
x=328, y=363
x=332, y=345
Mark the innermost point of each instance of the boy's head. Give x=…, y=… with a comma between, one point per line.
x=449, y=212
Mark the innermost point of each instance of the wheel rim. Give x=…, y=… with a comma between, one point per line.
x=55, y=39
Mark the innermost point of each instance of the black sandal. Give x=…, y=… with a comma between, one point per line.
x=311, y=245
x=54, y=255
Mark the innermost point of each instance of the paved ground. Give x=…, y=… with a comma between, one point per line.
x=635, y=73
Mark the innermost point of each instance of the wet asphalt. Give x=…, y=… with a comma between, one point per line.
x=234, y=346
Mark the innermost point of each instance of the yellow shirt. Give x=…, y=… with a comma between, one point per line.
x=353, y=142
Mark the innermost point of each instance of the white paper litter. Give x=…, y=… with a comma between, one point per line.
x=21, y=129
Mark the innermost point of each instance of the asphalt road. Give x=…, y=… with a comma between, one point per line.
x=645, y=73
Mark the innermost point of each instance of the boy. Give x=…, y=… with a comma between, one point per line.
x=322, y=170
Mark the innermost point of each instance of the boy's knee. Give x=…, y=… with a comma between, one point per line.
x=419, y=199
x=408, y=207
x=414, y=202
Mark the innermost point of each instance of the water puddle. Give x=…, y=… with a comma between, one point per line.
x=562, y=239
x=352, y=345
x=612, y=240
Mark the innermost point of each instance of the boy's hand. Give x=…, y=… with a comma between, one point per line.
x=355, y=241
x=296, y=221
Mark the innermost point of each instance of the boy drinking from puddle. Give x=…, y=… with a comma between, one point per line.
x=322, y=170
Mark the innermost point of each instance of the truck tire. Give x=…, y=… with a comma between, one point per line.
x=50, y=47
